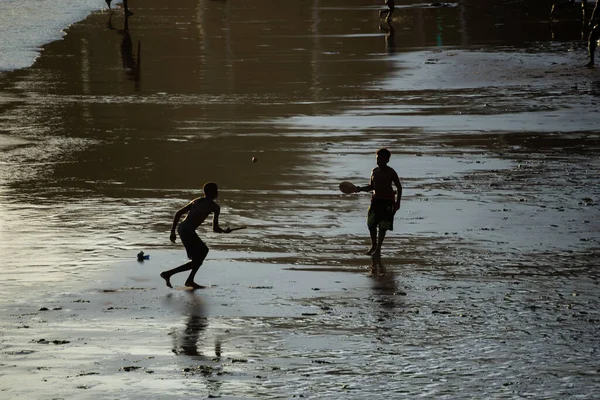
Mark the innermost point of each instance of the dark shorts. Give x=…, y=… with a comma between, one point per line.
x=194, y=246
x=381, y=214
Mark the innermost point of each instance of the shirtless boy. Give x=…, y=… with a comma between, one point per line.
x=197, y=211
x=384, y=201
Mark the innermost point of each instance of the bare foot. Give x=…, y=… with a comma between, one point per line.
x=194, y=285
x=590, y=64
x=167, y=279
x=371, y=250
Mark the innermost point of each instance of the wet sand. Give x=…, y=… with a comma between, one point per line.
x=490, y=278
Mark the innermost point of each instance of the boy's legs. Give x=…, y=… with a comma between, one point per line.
x=376, y=241
x=197, y=251
x=372, y=223
x=382, y=233
x=373, y=233
x=379, y=217
x=166, y=275
x=195, y=267
x=376, y=255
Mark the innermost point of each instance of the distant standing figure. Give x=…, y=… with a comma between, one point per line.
x=384, y=201
x=389, y=11
x=594, y=34
x=196, y=212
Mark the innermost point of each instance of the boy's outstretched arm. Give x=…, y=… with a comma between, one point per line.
x=178, y=215
x=216, y=227
x=366, y=188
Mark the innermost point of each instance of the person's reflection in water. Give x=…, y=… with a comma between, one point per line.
x=131, y=63
x=388, y=306
x=390, y=36
x=386, y=287
x=186, y=342
x=196, y=323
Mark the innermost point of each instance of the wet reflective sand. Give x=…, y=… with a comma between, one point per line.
x=490, y=279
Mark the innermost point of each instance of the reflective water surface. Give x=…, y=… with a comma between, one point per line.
x=489, y=286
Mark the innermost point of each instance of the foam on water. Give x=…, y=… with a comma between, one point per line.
x=27, y=25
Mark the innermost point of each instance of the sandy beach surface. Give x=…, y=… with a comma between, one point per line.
x=490, y=278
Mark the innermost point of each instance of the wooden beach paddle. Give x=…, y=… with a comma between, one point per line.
x=347, y=187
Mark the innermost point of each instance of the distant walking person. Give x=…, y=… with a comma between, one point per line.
x=125, y=8
x=196, y=212
x=594, y=33
x=389, y=11
x=384, y=201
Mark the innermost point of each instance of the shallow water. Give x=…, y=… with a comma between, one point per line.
x=491, y=272
x=27, y=25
